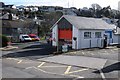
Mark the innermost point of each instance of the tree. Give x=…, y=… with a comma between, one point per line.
x=96, y=10
x=106, y=11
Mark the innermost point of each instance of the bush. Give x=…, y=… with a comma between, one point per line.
x=4, y=40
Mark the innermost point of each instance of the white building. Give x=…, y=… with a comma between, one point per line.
x=116, y=36
x=79, y=32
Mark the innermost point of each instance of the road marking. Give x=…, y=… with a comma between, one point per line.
x=91, y=53
x=52, y=66
x=29, y=67
x=77, y=71
x=41, y=64
x=83, y=53
x=112, y=51
x=13, y=59
x=106, y=52
x=53, y=73
x=19, y=61
x=77, y=76
x=115, y=49
x=67, y=70
x=102, y=75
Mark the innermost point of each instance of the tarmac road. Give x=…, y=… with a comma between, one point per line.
x=26, y=63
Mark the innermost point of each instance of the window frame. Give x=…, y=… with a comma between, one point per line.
x=97, y=35
x=87, y=35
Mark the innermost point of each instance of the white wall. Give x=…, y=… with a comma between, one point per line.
x=89, y=43
x=115, y=38
x=75, y=33
x=55, y=36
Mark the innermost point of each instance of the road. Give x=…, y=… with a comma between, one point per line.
x=25, y=62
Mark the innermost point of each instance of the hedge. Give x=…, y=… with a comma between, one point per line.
x=4, y=40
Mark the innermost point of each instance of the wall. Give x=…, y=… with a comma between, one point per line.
x=75, y=44
x=115, y=38
x=55, y=35
x=91, y=42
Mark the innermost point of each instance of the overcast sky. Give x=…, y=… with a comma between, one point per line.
x=64, y=3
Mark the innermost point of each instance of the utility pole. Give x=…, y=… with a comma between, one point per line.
x=68, y=3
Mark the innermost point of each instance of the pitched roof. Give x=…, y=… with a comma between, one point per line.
x=86, y=23
x=16, y=23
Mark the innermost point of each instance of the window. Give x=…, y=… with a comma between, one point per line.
x=87, y=35
x=98, y=35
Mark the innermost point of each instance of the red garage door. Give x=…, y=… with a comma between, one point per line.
x=65, y=34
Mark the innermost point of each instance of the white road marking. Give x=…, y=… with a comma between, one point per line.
x=77, y=76
x=102, y=75
x=19, y=61
x=115, y=49
x=52, y=66
x=67, y=70
x=13, y=59
x=54, y=73
x=77, y=71
x=41, y=64
x=83, y=53
x=91, y=53
x=29, y=67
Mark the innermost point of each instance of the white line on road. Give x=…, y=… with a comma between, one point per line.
x=77, y=76
x=19, y=61
x=83, y=53
x=77, y=71
x=13, y=59
x=102, y=75
x=52, y=66
x=54, y=73
x=68, y=69
x=41, y=64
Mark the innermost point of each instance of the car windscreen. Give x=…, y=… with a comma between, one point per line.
x=25, y=37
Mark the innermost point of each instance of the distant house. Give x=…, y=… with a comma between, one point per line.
x=116, y=36
x=68, y=11
x=79, y=32
x=14, y=28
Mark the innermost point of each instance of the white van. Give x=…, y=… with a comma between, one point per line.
x=24, y=38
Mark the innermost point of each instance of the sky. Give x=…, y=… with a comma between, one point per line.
x=64, y=3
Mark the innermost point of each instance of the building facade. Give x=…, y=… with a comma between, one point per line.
x=79, y=32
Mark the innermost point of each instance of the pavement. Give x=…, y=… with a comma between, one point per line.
x=8, y=48
x=110, y=53
x=81, y=61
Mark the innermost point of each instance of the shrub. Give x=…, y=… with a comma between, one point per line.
x=4, y=40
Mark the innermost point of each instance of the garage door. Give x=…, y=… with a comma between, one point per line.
x=65, y=34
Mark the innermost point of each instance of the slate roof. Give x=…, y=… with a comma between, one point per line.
x=86, y=23
x=15, y=24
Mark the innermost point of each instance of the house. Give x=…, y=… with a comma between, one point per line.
x=68, y=11
x=116, y=36
x=79, y=32
x=14, y=28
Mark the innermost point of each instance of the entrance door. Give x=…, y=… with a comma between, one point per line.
x=65, y=36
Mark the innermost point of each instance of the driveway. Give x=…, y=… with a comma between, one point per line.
x=31, y=51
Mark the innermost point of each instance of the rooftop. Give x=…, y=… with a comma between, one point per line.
x=87, y=23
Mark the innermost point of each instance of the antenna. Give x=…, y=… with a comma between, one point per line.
x=68, y=3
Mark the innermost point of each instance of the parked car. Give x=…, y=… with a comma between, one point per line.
x=24, y=38
x=34, y=37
